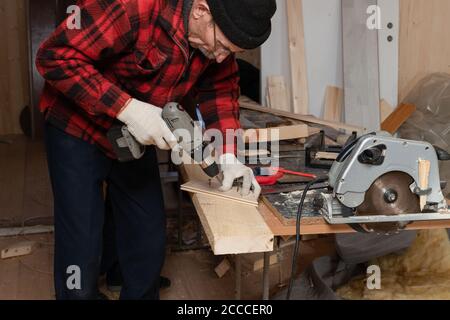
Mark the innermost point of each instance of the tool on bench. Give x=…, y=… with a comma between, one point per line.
x=377, y=183
x=268, y=176
x=190, y=138
x=319, y=155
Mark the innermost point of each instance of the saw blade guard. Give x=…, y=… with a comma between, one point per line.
x=374, y=155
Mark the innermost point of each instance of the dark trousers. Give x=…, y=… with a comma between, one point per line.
x=78, y=171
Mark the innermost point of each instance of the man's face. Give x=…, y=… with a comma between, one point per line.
x=206, y=36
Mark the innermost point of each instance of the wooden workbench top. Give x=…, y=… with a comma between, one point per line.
x=234, y=228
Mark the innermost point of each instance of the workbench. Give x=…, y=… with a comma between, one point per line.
x=236, y=229
x=233, y=228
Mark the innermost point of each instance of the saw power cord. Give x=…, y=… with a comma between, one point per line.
x=297, y=232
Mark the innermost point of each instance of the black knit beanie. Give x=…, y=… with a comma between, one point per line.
x=246, y=23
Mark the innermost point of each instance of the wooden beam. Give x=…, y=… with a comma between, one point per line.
x=361, y=72
x=18, y=249
x=212, y=189
x=279, y=133
x=10, y=232
x=304, y=118
x=277, y=93
x=398, y=117
x=297, y=56
x=334, y=101
x=231, y=227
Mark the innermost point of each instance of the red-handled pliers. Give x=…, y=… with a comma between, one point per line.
x=275, y=174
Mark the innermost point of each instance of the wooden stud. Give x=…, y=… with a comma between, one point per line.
x=361, y=72
x=297, y=56
x=18, y=249
x=397, y=118
x=279, y=133
x=223, y=267
x=305, y=118
x=212, y=189
x=277, y=93
x=334, y=101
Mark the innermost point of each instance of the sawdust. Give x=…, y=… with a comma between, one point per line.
x=421, y=272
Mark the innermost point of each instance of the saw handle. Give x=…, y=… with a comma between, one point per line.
x=424, y=174
x=442, y=154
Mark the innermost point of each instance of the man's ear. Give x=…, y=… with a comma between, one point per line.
x=199, y=9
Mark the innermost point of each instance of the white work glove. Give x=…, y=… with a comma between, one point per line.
x=233, y=169
x=145, y=123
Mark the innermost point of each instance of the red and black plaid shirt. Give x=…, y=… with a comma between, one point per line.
x=124, y=49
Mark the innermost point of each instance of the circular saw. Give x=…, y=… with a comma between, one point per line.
x=389, y=195
x=380, y=183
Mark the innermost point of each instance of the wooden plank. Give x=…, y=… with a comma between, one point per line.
x=222, y=268
x=211, y=189
x=424, y=45
x=18, y=249
x=299, y=75
x=398, y=117
x=326, y=155
x=279, y=133
x=304, y=118
x=334, y=101
x=231, y=227
x=278, y=95
x=10, y=232
x=361, y=72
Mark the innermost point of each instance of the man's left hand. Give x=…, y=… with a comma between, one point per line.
x=233, y=169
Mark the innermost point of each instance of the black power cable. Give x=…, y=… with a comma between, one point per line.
x=297, y=237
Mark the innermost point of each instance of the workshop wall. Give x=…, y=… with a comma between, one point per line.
x=424, y=45
x=422, y=48
x=14, y=84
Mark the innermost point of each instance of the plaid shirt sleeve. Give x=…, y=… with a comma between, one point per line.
x=218, y=94
x=67, y=60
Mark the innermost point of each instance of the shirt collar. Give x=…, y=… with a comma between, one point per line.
x=174, y=18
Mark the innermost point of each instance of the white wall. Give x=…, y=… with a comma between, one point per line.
x=323, y=47
x=274, y=53
x=323, y=42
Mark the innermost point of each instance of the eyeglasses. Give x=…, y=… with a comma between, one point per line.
x=219, y=49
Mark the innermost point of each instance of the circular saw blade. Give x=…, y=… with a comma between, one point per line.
x=390, y=194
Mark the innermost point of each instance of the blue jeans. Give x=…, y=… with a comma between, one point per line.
x=77, y=171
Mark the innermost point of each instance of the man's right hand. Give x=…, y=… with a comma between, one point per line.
x=145, y=123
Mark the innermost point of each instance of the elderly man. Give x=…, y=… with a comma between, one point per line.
x=128, y=59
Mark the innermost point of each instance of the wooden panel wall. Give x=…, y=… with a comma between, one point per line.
x=13, y=64
x=424, y=41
